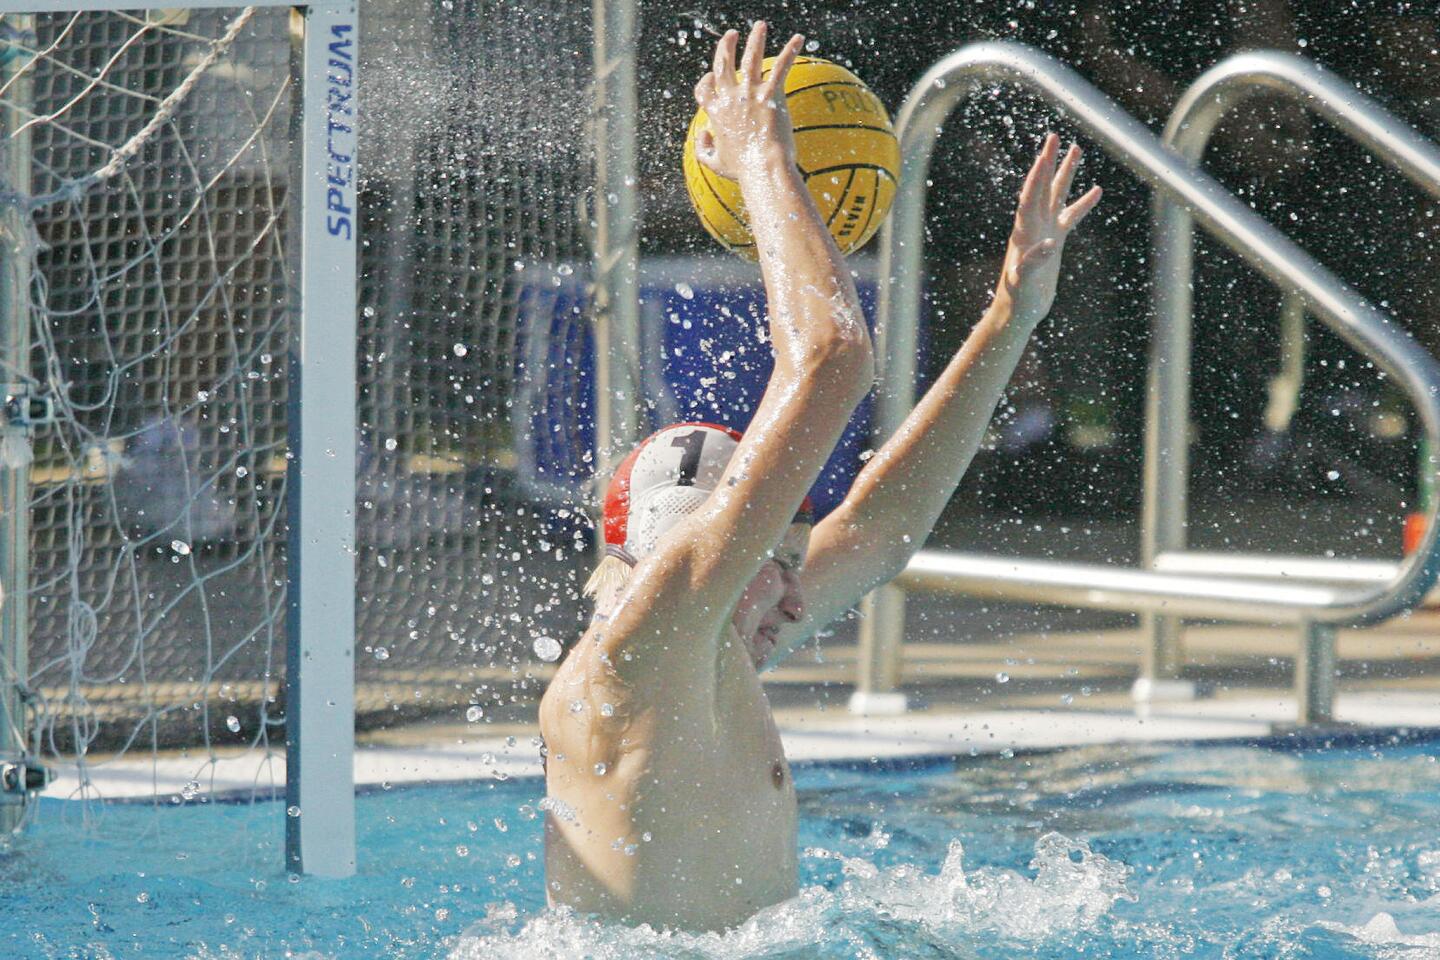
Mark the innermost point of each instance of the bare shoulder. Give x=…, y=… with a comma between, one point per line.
x=662, y=629
x=648, y=659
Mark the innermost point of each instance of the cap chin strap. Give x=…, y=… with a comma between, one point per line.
x=620, y=553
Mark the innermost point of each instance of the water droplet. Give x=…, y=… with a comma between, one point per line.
x=180, y=547
x=382, y=654
x=391, y=443
x=812, y=45
x=1002, y=677
x=686, y=291
x=142, y=897
x=474, y=714
x=547, y=649
x=460, y=349
x=232, y=722
x=1332, y=475
x=462, y=851
x=601, y=769
x=576, y=706
x=191, y=790
x=486, y=579
x=607, y=710
x=292, y=811
x=564, y=269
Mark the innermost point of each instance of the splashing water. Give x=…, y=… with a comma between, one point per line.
x=1072, y=890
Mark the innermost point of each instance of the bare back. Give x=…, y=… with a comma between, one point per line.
x=664, y=810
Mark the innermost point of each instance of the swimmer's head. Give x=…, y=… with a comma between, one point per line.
x=665, y=479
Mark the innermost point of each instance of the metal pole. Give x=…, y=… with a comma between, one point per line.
x=956, y=77
x=1167, y=453
x=897, y=326
x=882, y=642
x=320, y=483
x=15, y=228
x=616, y=303
x=1167, y=421
x=1315, y=673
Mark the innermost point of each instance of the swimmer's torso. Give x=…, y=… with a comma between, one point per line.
x=665, y=810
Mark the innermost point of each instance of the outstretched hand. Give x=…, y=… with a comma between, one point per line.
x=746, y=112
x=1042, y=224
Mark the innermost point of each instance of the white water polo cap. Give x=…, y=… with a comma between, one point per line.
x=665, y=479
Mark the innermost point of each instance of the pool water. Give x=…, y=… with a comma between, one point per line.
x=1259, y=851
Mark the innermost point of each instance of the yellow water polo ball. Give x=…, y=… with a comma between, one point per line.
x=844, y=145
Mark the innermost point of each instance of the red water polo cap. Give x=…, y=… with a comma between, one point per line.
x=665, y=479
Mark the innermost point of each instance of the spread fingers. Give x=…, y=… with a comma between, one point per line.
x=754, y=53
x=783, y=62
x=1076, y=212
x=724, y=67
x=1060, y=189
x=1040, y=174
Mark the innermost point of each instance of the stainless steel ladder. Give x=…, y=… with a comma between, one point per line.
x=1316, y=605
x=1194, y=119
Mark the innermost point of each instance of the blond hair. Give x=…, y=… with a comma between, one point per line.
x=608, y=579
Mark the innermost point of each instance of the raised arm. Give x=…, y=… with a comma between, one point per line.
x=812, y=301
x=896, y=500
x=823, y=364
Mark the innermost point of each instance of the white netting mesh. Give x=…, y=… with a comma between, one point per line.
x=151, y=233
x=151, y=259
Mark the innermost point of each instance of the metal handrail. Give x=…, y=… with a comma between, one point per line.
x=939, y=92
x=1196, y=115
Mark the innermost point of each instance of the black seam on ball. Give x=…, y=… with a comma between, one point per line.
x=859, y=166
x=841, y=205
x=845, y=126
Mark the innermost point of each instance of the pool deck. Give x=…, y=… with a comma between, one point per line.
x=1029, y=692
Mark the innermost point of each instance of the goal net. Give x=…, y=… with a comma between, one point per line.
x=148, y=160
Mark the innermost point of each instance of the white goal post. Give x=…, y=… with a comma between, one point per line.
x=320, y=243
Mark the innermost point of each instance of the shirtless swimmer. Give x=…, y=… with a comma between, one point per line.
x=670, y=799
